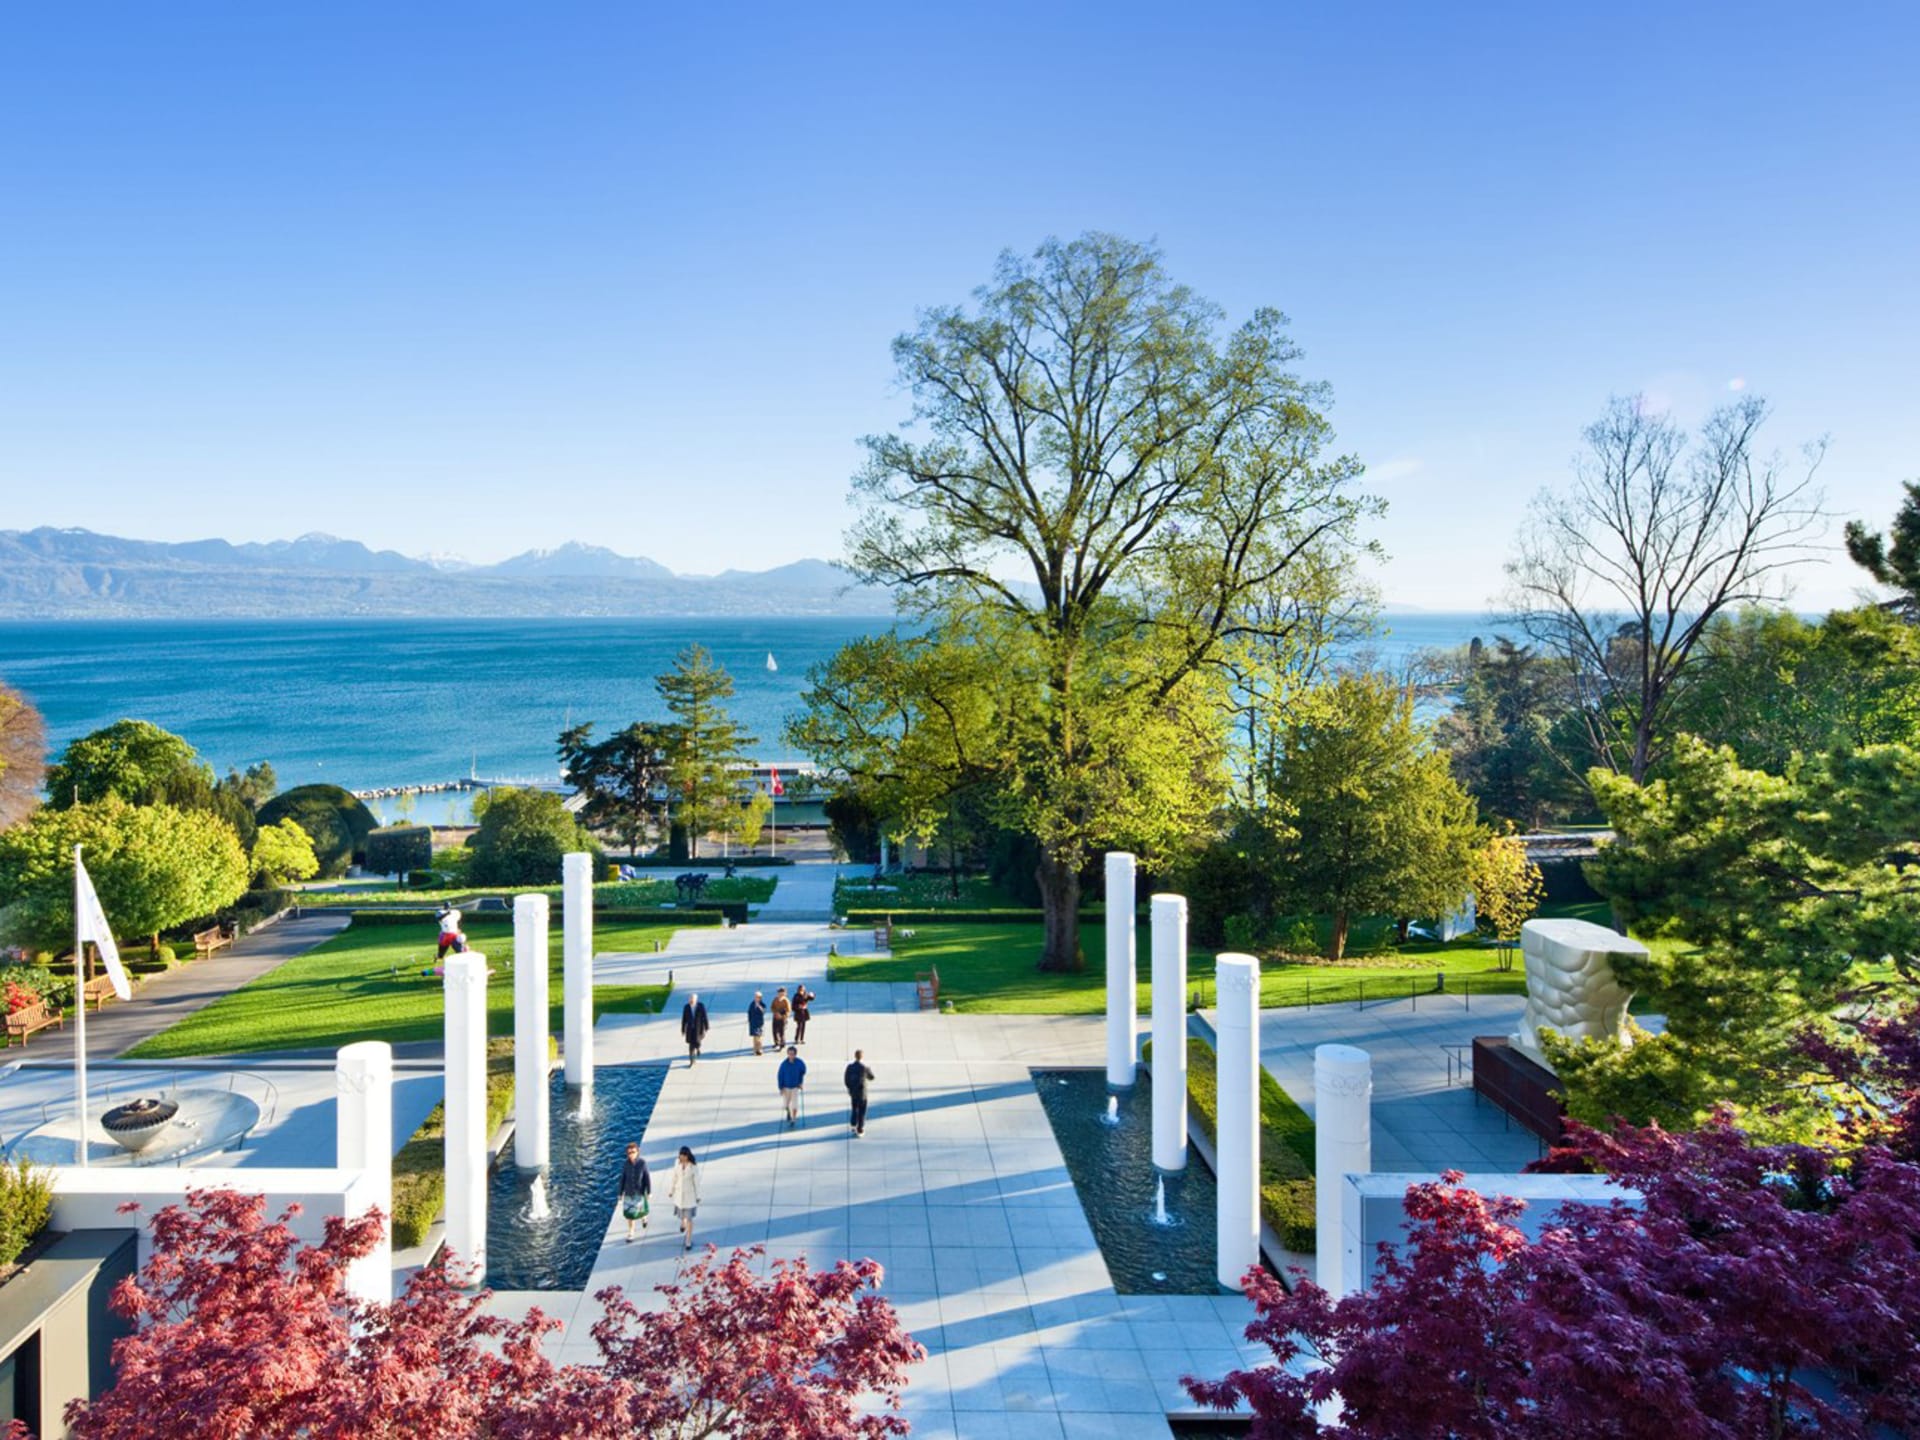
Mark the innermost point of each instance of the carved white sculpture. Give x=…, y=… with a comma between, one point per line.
x=1571, y=986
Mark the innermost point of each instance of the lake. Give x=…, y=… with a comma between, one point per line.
x=369, y=703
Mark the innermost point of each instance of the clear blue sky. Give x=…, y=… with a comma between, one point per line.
x=478, y=277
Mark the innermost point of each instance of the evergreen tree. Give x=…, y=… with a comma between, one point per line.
x=1892, y=560
x=707, y=753
x=620, y=777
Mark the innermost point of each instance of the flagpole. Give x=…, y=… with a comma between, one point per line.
x=80, y=1016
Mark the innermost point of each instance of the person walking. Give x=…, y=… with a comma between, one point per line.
x=756, y=1021
x=803, y=999
x=782, y=1007
x=792, y=1076
x=636, y=1190
x=683, y=1193
x=858, y=1076
x=693, y=1026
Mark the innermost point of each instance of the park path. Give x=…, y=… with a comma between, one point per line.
x=958, y=1188
x=167, y=999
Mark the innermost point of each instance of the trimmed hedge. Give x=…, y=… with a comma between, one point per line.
x=337, y=823
x=396, y=849
x=1010, y=916
x=1286, y=1146
x=420, y=1169
x=413, y=915
x=739, y=862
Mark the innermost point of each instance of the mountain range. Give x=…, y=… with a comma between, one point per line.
x=51, y=573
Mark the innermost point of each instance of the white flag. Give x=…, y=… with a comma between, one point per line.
x=93, y=926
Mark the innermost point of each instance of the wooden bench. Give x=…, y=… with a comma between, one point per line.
x=205, y=942
x=35, y=1017
x=99, y=990
x=927, y=986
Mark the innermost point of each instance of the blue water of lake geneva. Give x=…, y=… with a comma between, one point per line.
x=365, y=703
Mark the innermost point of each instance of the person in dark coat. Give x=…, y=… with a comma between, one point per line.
x=803, y=999
x=693, y=1026
x=858, y=1076
x=756, y=1021
x=636, y=1188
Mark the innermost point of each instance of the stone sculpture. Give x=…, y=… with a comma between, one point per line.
x=1572, y=989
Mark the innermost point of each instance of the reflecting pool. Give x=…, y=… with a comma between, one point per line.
x=549, y=1242
x=1111, y=1162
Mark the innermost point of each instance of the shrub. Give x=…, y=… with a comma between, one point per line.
x=26, y=1200
x=420, y=1169
x=454, y=865
x=1286, y=1147
x=399, y=848
x=55, y=987
x=337, y=823
x=522, y=837
x=423, y=879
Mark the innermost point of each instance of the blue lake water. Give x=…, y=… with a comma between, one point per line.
x=366, y=703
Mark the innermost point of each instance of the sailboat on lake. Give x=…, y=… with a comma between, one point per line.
x=771, y=665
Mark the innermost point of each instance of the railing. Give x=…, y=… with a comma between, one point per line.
x=1360, y=991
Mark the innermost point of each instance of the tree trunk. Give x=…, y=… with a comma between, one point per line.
x=1060, y=905
x=1400, y=928
x=1337, y=946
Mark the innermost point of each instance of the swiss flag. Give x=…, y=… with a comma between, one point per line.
x=773, y=778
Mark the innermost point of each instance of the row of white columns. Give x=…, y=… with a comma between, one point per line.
x=466, y=1051
x=1343, y=1080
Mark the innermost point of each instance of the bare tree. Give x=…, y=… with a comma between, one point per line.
x=23, y=756
x=1622, y=573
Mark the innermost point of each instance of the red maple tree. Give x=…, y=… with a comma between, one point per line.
x=245, y=1333
x=1751, y=1291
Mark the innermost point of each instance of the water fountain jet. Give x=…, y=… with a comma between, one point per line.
x=1112, y=1117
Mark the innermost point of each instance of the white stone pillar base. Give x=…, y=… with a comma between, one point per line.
x=1342, y=1146
x=1122, y=971
x=1237, y=1143
x=1169, y=1031
x=363, y=1141
x=576, y=872
x=532, y=1143
x=466, y=1110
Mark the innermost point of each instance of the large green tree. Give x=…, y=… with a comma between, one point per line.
x=1501, y=733
x=622, y=777
x=1892, y=559
x=135, y=760
x=1781, y=885
x=335, y=820
x=154, y=866
x=1096, y=485
x=1368, y=816
x=1771, y=685
x=23, y=756
x=522, y=835
x=707, y=752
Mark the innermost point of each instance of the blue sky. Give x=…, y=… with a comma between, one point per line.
x=478, y=277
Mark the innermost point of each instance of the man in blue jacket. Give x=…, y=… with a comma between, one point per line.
x=793, y=1074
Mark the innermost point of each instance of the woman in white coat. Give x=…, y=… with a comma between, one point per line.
x=683, y=1193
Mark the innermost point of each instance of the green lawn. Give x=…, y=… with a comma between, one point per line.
x=920, y=892
x=989, y=969
x=611, y=894
x=366, y=984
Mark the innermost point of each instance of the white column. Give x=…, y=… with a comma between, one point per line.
x=363, y=1140
x=531, y=1144
x=1122, y=978
x=576, y=1041
x=1169, y=1031
x=1237, y=1140
x=1342, y=1146
x=466, y=1103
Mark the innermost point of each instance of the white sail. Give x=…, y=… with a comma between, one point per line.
x=770, y=661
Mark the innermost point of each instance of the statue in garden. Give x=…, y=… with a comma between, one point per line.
x=1572, y=988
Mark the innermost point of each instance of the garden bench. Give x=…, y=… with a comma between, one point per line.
x=34, y=1017
x=927, y=988
x=99, y=990
x=205, y=942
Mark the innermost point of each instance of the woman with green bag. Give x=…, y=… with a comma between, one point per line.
x=636, y=1186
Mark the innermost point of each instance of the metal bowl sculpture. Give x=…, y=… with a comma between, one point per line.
x=138, y=1123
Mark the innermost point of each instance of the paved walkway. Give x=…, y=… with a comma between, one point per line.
x=165, y=1000
x=958, y=1189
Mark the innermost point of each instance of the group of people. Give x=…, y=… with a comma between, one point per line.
x=683, y=1192
x=792, y=1074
